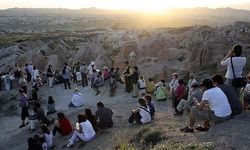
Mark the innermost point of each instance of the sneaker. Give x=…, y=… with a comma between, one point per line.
x=201, y=128
x=22, y=125
x=186, y=129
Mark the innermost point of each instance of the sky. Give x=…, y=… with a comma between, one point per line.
x=146, y=5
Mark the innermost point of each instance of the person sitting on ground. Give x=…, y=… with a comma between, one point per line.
x=39, y=116
x=142, y=85
x=246, y=93
x=63, y=125
x=90, y=117
x=51, y=106
x=99, y=82
x=232, y=97
x=24, y=105
x=33, y=96
x=150, y=86
x=195, y=94
x=34, y=145
x=150, y=104
x=179, y=94
x=104, y=116
x=190, y=82
x=112, y=85
x=160, y=93
x=219, y=110
x=83, y=131
x=48, y=136
x=140, y=115
x=77, y=99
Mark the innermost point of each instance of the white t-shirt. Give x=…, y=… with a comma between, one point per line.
x=142, y=83
x=87, y=129
x=173, y=84
x=238, y=63
x=77, y=99
x=218, y=102
x=78, y=76
x=145, y=116
x=48, y=139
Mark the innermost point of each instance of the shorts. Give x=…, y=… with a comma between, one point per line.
x=207, y=114
x=24, y=113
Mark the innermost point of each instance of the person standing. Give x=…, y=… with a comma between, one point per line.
x=7, y=81
x=135, y=78
x=17, y=75
x=128, y=77
x=50, y=75
x=173, y=85
x=23, y=84
x=84, y=71
x=28, y=74
x=235, y=64
x=66, y=76
x=24, y=105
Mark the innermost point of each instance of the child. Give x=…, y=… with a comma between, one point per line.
x=142, y=85
x=51, y=106
x=150, y=104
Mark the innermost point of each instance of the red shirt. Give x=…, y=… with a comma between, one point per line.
x=180, y=90
x=65, y=126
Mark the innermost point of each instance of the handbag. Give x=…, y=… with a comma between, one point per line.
x=238, y=82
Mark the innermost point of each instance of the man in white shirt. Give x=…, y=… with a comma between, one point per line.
x=173, y=85
x=219, y=109
x=77, y=99
x=238, y=64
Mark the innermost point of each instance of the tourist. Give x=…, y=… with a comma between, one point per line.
x=150, y=86
x=135, y=78
x=24, y=105
x=91, y=118
x=173, y=85
x=93, y=77
x=28, y=73
x=246, y=93
x=142, y=85
x=128, y=77
x=160, y=92
x=33, y=96
x=66, y=76
x=106, y=73
x=91, y=68
x=50, y=75
x=50, y=106
x=23, y=84
x=190, y=82
x=235, y=63
x=48, y=136
x=140, y=115
x=7, y=81
x=39, y=116
x=83, y=131
x=99, y=82
x=112, y=85
x=104, y=116
x=84, y=72
x=195, y=95
x=179, y=94
x=77, y=99
x=150, y=105
x=118, y=75
x=219, y=108
x=34, y=145
x=233, y=99
x=63, y=125
x=17, y=74
x=35, y=73
x=78, y=78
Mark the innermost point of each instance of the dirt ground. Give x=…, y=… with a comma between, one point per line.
x=233, y=134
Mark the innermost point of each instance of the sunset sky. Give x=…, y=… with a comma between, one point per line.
x=145, y=5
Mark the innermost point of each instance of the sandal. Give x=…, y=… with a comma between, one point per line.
x=201, y=128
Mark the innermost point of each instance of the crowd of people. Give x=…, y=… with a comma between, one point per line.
x=213, y=99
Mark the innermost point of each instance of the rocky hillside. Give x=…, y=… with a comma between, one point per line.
x=157, y=51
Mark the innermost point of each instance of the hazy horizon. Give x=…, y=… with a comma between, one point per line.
x=140, y=5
